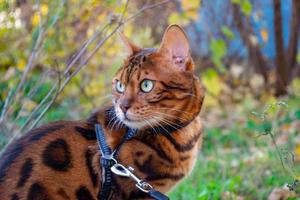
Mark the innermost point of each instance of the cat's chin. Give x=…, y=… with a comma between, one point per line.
x=135, y=124
x=139, y=124
x=132, y=121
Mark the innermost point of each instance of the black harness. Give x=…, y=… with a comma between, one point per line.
x=111, y=166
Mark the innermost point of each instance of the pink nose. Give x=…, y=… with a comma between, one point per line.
x=124, y=107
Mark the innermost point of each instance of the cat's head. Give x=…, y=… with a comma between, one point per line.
x=157, y=87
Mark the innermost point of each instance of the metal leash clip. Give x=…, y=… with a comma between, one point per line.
x=121, y=170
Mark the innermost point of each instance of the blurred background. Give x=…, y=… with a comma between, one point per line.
x=57, y=59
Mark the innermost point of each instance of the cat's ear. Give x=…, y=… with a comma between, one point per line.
x=175, y=46
x=130, y=48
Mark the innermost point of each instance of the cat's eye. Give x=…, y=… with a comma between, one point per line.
x=120, y=87
x=147, y=85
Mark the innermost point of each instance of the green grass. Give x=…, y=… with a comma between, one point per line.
x=249, y=174
x=240, y=161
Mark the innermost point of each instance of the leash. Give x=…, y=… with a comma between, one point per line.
x=111, y=166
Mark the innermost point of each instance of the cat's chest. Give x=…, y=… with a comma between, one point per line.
x=163, y=160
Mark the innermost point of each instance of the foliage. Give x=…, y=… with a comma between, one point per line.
x=190, y=11
x=239, y=161
x=245, y=5
x=37, y=67
x=218, y=49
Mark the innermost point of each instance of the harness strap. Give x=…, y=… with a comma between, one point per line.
x=129, y=134
x=108, y=162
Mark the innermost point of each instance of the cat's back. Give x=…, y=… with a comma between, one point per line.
x=56, y=150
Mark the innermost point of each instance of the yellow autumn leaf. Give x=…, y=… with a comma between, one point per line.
x=297, y=150
x=192, y=14
x=212, y=82
x=85, y=15
x=35, y=20
x=111, y=50
x=295, y=85
x=120, y=8
x=60, y=53
x=21, y=64
x=95, y=88
x=90, y=31
x=176, y=18
x=128, y=30
x=51, y=31
x=29, y=104
x=190, y=8
x=209, y=101
x=44, y=9
x=190, y=4
x=102, y=16
x=264, y=34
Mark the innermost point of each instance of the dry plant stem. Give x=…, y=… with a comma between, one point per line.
x=57, y=88
x=272, y=136
x=67, y=80
x=33, y=56
x=83, y=63
x=31, y=93
x=277, y=149
x=66, y=72
x=54, y=88
x=84, y=47
x=67, y=75
x=18, y=133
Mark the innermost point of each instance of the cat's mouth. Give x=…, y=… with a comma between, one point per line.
x=139, y=124
x=136, y=122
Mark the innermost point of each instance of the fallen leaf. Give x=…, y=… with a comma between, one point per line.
x=264, y=34
x=281, y=194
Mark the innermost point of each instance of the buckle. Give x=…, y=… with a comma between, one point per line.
x=107, y=161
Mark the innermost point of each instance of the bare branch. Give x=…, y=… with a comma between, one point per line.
x=32, y=58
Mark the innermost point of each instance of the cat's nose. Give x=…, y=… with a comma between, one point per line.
x=125, y=106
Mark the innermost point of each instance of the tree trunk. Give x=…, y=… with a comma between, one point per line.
x=254, y=52
x=294, y=37
x=281, y=67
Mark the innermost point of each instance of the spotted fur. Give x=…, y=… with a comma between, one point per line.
x=61, y=160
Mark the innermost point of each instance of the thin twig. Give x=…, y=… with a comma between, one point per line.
x=85, y=46
x=59, y=87
x=35, y=52
x=49, y=104
x=83, y=63
x=31, y=93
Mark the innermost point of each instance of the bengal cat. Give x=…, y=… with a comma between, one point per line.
x=155, y=88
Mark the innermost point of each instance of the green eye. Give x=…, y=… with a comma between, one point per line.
x=147, y=85
x=120, y=87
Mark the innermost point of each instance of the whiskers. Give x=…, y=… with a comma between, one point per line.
x=161, y=120
x=152, y=126
x=115, y=123
x=158, y=122
x=185, y=115
x=170, y=122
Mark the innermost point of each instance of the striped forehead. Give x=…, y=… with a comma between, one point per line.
x=135, y=64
